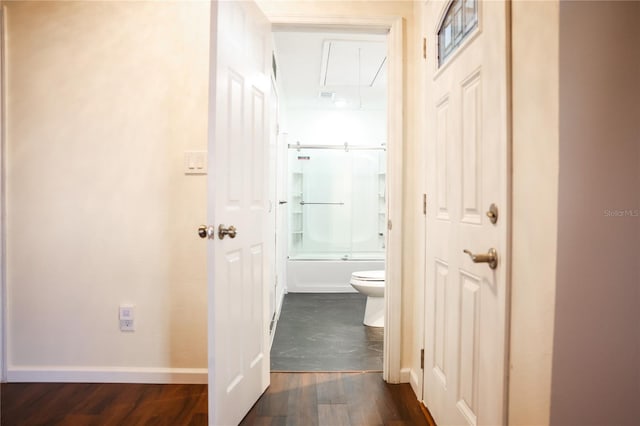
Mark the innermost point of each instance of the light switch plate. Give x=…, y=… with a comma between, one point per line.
x=195, y=162
x=125, y=312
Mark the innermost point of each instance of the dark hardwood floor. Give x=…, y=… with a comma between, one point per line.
x=79, y=404
x=335, y=399
x=300, y=399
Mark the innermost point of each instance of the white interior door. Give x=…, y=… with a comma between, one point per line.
x=238, y=269
x=467, y=136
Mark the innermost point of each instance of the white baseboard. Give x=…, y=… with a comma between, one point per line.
x=409, y=375
x=414, y=381
x=107, y=375
x=405, y=375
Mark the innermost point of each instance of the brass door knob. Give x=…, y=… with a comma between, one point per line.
x=230, y=231
x=491, y=258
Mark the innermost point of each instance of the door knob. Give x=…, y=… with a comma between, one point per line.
x=491, y=258
x=230, y=231
x=205, y=231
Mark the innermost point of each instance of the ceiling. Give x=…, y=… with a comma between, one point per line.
x=331, y=70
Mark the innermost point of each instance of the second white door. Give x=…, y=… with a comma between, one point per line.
x=467, y=171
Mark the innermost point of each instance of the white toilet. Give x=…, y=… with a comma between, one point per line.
x=371, y=284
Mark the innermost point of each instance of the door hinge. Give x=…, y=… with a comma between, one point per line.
x=422, y=359
x=424, y=204
x=272, y=323
x=424, y=47
x=389, y=224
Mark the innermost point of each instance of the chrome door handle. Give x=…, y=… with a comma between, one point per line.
x=205, y=231
x=230, y=231
x=491, y=258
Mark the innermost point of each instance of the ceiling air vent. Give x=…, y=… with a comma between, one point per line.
x=327, y=95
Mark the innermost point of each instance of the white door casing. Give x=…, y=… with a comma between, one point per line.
x=395, y=148
x=467, y=170
x=238, y=287
x=281, y=212
x=274, y=260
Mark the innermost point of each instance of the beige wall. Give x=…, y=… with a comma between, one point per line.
x=413, y=223
x=534, y=206
x=102, y=100
x=596, y=357
x=575, y=345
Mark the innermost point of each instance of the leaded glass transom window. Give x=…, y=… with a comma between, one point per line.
x=459, y=21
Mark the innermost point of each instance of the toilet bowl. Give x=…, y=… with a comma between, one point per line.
x=371, y=284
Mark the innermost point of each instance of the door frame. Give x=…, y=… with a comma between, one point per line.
x=395, y=147
x=3, y=198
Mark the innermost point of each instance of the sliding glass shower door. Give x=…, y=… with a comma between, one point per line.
x=337, y=203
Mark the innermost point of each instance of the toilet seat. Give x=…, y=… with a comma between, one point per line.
x=368, y=283
x=368, y=276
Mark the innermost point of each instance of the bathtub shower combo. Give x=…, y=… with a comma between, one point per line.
x=337, y=222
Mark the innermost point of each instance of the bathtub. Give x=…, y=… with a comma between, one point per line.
x=325, y=276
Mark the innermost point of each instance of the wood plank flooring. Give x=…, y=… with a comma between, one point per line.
x=335, y=399
x=298, y=399
x=76, y=404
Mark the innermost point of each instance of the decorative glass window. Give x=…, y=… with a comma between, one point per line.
x=459, y=21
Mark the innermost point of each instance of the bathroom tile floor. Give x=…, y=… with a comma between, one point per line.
x=324, y=332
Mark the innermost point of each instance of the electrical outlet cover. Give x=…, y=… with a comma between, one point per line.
x=126, y=325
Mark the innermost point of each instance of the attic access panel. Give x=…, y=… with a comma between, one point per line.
x=352, y=62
